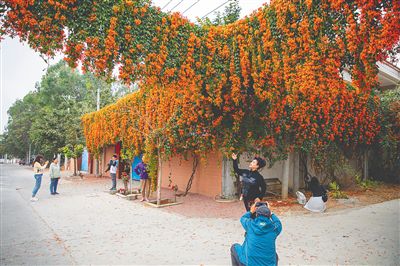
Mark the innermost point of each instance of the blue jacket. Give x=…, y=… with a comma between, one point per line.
x=258, y=248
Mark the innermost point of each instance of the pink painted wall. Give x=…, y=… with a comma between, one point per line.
x=108, y=153
x=207, y=180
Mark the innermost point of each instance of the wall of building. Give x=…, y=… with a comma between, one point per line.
x=208, y=177
x=109, y=151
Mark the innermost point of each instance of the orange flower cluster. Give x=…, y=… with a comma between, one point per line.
x=272, y=80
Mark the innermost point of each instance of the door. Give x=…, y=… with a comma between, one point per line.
x=85, y=161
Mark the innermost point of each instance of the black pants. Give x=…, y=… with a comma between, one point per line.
x=235, y=257
x=247, y=203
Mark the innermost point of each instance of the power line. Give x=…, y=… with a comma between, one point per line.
x=176, y=5
x=215, y=9
x=166, y=4
x=190, y=6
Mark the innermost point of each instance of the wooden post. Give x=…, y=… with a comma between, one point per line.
x=285, y=178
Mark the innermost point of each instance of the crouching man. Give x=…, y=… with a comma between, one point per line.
x=258, y=247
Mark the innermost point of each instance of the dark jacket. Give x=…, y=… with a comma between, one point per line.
x=111, y=163
x=253, y=182
x=258, y=248
x=317, y=190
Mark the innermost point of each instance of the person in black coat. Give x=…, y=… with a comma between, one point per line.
x=253, y=184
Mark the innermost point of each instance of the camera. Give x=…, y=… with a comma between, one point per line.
x=260, y=203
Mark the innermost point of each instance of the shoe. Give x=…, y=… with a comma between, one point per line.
x=141, y=200
x=34, y=199
x=52, y=193
x=147, y=200
x=56, y=193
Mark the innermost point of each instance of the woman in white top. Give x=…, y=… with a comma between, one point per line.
x=316, y=203
x=38, y=168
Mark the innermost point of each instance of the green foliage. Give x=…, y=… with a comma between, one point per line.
x=230, y=15
x=335, y=191
x=72, y=151
x=49, y=118
x=387, y=149
x=21, y=117
x=366, y=184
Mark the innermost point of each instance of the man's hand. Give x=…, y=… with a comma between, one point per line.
x=257, y=200
x=253, y=208
x=234, y=156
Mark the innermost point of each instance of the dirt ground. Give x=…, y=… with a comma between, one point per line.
x=199, y=206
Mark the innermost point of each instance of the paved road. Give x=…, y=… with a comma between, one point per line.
x=84, y=225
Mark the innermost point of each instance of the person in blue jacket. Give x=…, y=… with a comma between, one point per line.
x=258, y=248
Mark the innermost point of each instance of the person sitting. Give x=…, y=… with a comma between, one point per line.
x=258, y=248
x=319, y=196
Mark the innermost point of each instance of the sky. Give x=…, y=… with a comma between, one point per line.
x=21, y=67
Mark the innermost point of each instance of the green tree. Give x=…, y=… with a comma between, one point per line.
x=384, y=163
x=230, y=14
x=21, y=117
x=49, y=118
x=73, y=152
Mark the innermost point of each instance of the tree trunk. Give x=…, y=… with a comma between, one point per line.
x=365, y=165
x=285, y=178
x=159, y=177
x=75, y=163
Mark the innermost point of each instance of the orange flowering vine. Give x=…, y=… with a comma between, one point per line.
x=271, y=81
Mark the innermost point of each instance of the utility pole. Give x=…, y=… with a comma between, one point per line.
x=98, y=98
x=29, y=155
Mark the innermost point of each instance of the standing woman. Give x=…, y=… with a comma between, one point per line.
x=55, y=175
x=253, y=182
x=38, y=168
x=141, y=170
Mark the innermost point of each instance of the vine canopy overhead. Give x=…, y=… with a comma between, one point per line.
x=272, y=80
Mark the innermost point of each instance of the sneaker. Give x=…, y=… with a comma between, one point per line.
x=56, y=193
x=34, y=199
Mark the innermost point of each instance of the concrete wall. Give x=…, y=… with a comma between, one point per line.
x=207, y=180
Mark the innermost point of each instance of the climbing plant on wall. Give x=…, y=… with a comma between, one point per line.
x=272, y=80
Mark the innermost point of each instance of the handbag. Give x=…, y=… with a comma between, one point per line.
x=325, y=197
